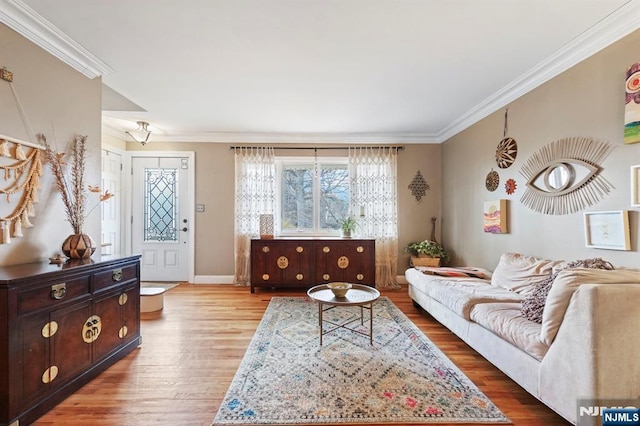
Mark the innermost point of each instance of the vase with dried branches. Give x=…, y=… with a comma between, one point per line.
x=74, y=193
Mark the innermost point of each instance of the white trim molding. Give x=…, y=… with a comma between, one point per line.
x=620, y=23
x=27, y=22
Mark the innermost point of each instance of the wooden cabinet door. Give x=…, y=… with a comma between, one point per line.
x=131, y=313
x=109, y=308
x=293, y=259
x=345, y=260
x=279, y=262
x=27, y=381
x=70, y=345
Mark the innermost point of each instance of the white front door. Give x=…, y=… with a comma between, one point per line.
x=161, y=225
x=111, y=208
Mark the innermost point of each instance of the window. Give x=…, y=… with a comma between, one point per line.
x=313, y=195
x=160, y=205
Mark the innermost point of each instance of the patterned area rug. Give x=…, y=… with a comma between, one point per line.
x=285, y=376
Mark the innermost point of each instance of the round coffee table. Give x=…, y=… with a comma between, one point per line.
x=359, y=295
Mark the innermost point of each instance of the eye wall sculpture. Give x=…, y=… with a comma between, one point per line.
x=565, y=177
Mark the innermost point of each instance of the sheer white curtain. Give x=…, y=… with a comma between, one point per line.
x=373, y=174
x=255, y=195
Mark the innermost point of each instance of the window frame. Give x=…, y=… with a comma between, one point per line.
x=316, y=163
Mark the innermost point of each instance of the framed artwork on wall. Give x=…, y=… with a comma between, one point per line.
x=495, y=217
x=635, y=186
x=632, y=105
x=607, y=230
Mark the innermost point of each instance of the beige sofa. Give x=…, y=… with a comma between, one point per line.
x=587, y=346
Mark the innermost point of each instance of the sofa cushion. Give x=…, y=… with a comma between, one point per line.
x=533, y=304
x=505, y=320
x=566, y=283
x=460, y=294
x=520, y=273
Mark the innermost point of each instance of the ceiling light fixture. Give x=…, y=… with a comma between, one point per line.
x=141, y=134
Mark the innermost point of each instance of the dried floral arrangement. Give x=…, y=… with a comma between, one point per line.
x=73, y=190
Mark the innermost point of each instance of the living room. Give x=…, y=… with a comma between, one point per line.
x=585, y=100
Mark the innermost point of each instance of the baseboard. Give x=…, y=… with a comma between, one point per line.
x=228, y=279
x=213, y=279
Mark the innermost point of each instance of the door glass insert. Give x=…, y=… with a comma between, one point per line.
x=161, y=205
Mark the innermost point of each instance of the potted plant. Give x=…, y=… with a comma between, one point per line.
x=432, y=252
x=348, y=225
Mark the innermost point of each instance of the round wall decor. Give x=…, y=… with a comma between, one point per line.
x=510, y=186
x=506, y=152
x=492, y=181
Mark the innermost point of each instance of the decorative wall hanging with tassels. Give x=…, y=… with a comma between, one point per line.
x=22, y=178
x=565, y=176
x=22, y=171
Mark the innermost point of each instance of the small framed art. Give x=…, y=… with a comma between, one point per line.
x=635, y=186
x=607, y=230
x=495, y=216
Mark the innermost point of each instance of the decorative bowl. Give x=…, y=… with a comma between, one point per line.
x=339, y=289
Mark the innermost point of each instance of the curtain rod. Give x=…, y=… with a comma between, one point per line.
x=397, y=147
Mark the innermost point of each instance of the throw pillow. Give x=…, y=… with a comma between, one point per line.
x=520, y=274
x=533, y=305
x=462, y=271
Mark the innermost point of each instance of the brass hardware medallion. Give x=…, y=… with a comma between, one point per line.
x=91, y=329
x=58, y=291
x=299, y=277
x=343, y=262
x=283, y=262
x=359, y=249
x=326, y=249
x=49, y=374
x=360, y=277
x=116, y=275
x=123, y=299
x=122, y=333
x=326, y=277
x=265, y=277
x=49, y=329
x=265, y=249
x=299, y=249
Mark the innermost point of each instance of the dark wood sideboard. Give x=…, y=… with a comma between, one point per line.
x=61, y=326
x=299, y=262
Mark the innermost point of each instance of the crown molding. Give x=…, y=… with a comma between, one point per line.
x=618, y=24
x=259, y=137
x=28, y=23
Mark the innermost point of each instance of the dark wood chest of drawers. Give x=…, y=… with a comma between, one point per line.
x=285, y=262
x=60, y=326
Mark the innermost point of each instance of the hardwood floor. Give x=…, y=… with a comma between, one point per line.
x=191, y=349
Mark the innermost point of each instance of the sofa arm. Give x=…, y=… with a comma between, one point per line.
x=595, y=353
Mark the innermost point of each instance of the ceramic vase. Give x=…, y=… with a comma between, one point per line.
x=78, y=246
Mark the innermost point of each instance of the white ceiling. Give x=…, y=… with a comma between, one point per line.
x=316, y=70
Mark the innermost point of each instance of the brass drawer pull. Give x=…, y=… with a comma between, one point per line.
x=58, y=291
x=117, y=275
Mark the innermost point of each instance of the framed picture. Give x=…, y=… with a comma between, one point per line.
x=607, y=230
x=635, y=186
x=495, y=217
